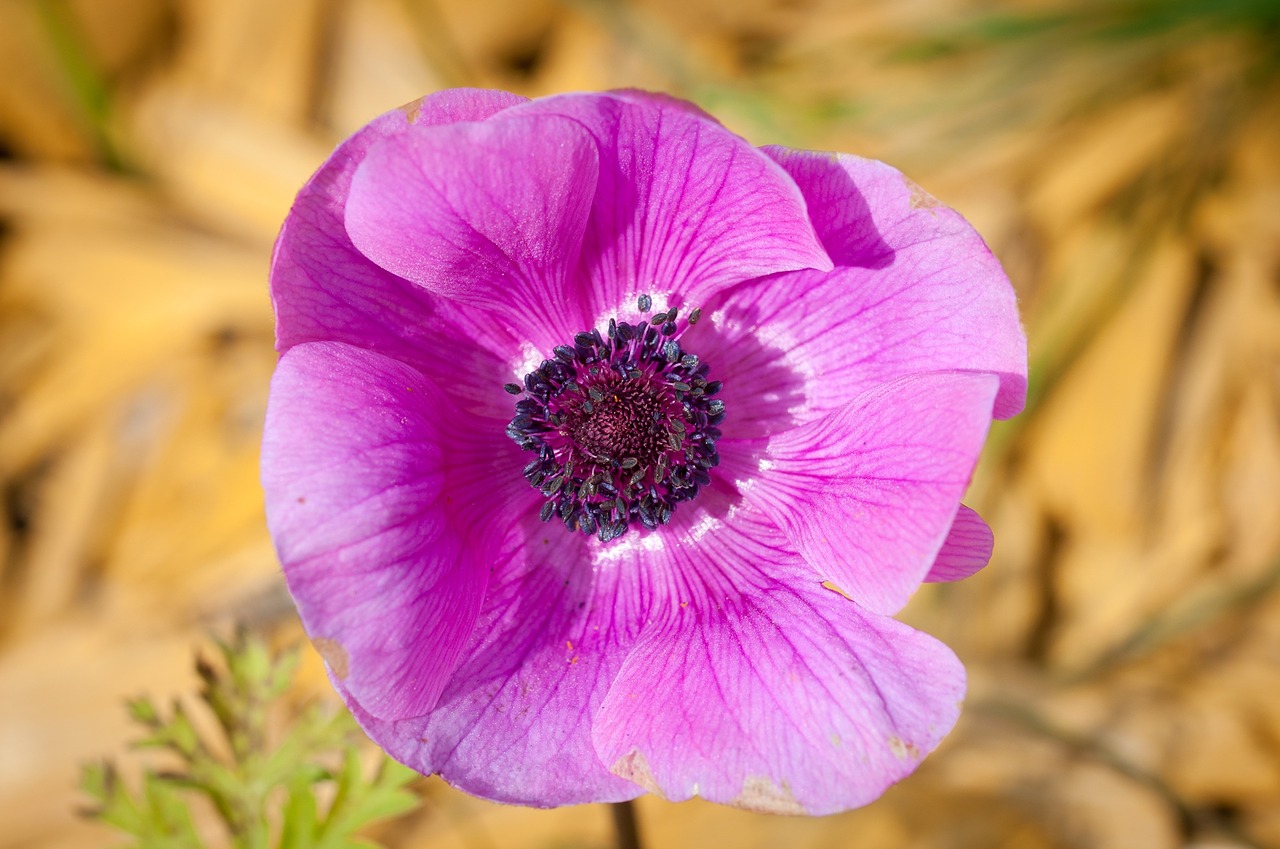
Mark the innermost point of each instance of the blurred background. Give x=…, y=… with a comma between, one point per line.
x=1122, y=157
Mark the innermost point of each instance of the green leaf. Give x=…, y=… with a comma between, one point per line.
x=299, y=825
x=359, y=802
x=262, y=776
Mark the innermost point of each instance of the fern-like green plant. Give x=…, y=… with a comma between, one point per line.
x=303, y=787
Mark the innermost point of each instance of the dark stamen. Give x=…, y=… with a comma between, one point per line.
x=622, y=425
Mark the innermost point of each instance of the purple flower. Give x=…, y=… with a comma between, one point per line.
x=580, y=402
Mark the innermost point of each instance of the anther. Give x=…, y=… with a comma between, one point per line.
x=622, y=425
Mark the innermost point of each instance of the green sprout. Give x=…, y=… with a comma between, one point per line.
x=298, y=787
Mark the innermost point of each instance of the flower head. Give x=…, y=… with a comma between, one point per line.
x=581, y=402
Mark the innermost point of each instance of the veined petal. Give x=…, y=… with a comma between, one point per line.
x=514, y=725
x=966, y=549
x=354, y=465
x=869, y=492
x=455, y=105
x=489, y=214
x=925, y=275
x=559, y=620
x=683, y=206
x=322, y=288
x=810, y=342
x=754, y=686
x=830, y=414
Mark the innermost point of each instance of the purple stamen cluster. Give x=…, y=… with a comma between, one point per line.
x=623, y=425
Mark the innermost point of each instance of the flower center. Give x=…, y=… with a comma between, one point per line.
x=623, y=425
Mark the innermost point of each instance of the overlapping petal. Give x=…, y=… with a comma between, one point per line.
x=869, y=492
x=489, y=214
x=682, y=205
x=966, y=549
x=753, y=685
x=816, y=340
x=514, y=724
x=323, y=288
x=732, y=676
x=355, y=473
x=924, y=279
x=864, y=336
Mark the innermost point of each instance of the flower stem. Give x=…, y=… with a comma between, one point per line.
x=624, y=823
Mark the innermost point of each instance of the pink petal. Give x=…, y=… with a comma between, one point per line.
x=488, y=214
x=966, y=550
x=794, y=347
x=322, y=288
x=514, y=724
x=869, y=492
x=355, y=468
x=455, y=105
x=683, y=206
x=530, y=665
x=928, y=288
x=560, y=617
x=752, y=685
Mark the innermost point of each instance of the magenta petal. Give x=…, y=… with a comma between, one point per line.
x=793, y=347
x=559, y=620
x=682, y=206
x=966, y=549
x=489, y=214
x=514, y=725
x=455, y=105
x=927, y=281
x=818, y=423
x=782, y=697
x=353, y=468
x=322, y=288
x=869, y=492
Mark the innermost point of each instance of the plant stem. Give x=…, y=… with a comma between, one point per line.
x=624, y=823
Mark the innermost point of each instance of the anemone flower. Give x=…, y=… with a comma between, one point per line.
x=604, y=446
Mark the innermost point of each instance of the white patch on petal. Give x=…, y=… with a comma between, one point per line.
x=628, y=547
x=705, y=525
x=528, y=359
